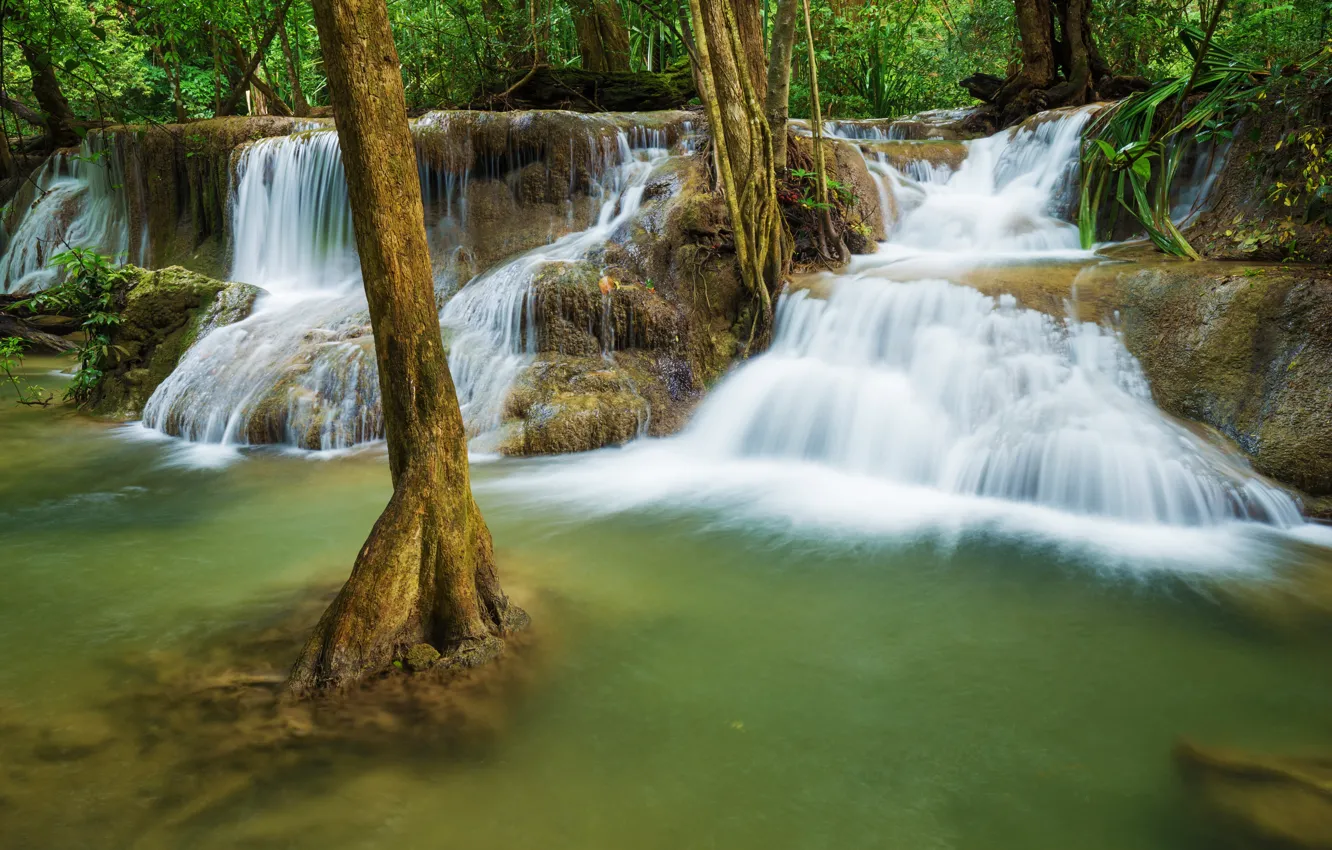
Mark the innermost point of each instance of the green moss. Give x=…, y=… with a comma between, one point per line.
x=165, y=312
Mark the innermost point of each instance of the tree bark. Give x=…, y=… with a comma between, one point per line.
x=603, y=38
x=778, y=98
x=749, y=20
x=238, y=91
x=56, y=114
x=426, y=574
x=742, y=150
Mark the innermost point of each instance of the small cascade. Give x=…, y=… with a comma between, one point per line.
x=1007, y=196
x=75, y=200
x=490, y=323
x=935, y=385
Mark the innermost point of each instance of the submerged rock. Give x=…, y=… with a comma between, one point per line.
x=1261, y=801
x=164, y=313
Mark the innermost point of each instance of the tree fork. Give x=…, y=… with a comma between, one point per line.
x=426, y=573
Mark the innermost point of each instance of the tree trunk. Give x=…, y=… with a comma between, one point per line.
x=1036, y=30
x=749, y=19
x=27, y=113
x=831, y=244
x=742, y=149
x=299, y=107
x=778, y=99
x=238, y=91
x=1075, y=52
x=56, y=114
x=603, y=38
x=426, y=574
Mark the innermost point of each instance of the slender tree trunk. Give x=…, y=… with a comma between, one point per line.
x=603, y=38
x=56, y=114
x=267, y=101
x=217, y=71
x=7, y=167
x=778, y=100
x=742, y=148
x=238, y=91
x=827, y=236
x=426, y=574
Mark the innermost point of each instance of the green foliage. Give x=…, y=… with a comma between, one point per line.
x=1138, y=143
x=11, y=357
x=127, y=60
x=88, y=292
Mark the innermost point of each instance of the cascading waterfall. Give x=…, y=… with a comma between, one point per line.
x=936, y=385
x=1003, y=199
x=917, y=391
x=301, y=369
x=491, y=321
x=77, y=201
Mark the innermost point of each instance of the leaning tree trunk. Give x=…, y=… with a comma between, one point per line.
x=56, y=114
x=749, y=26
x=426, y=574
x=777, y=104
x=603, y=38
x=742, y=145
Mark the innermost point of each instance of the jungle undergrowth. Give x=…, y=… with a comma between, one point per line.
x=87, y=292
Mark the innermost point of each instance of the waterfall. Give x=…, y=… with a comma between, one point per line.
x=75, y=200
x=301, y=369
x=492, y=321
x=935, y=385
x=929, y=398
x=291, y=220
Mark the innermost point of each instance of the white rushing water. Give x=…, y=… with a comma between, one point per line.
x=75, y=200
x=903, y=398
x=300, y=370
x=492, y=320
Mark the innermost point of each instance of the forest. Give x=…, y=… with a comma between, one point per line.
x=176, y=62
x=659, y=423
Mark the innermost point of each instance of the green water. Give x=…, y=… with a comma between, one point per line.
x=700, y=687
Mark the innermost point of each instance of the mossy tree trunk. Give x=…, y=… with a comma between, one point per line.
x=426, y=574
x=743, y=151
x=603, y=37
x=777, y=104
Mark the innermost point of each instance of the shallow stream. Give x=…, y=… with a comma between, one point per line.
x=703, y=683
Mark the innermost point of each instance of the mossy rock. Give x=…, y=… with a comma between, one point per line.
x=1247, y=351
x=164, y=313
x=573, y=404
